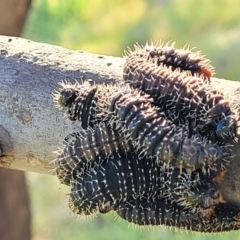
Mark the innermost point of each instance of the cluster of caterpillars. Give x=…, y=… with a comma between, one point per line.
x=153, y=148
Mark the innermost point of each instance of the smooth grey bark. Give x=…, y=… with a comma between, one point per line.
x=31, y=128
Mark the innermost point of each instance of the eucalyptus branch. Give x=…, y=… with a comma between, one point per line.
x=31, y=128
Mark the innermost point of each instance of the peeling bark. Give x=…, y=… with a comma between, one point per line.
x=31, y=128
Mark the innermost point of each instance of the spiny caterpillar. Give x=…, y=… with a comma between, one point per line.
x=158, y=210
x=75, y=111
x=118, y=162
x=142, y=191
x=133, y=114
x=183, y=97
x=102, y=187
x=88, y=147
x=176, y=59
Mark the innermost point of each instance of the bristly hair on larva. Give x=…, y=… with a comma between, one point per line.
x=156, y=211
x=144, y=192
x=78, y=100
x=77, y=103
x=103, y=168
x=183, y=97
x=88, y=148
x=183, y=59
x=147, y=193
x=101, y=188
x=153, y=150
x=134, y=116
x=156, y=136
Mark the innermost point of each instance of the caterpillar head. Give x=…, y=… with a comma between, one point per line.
x=75, y=98
x=226, y=129
x=223, y=123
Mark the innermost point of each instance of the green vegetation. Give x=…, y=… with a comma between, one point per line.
x=108, y=27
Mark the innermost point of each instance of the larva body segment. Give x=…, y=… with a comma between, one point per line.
x=160, y=138
x=112, y=181
x=133, y=114
x=176, y=59
x=159, y=211
x=183, y=97
x=103, y=168
x=104, y=186
x=78, y=103
x=158, y=193
x=89, y=147
x=146, y=211
x=140, y=139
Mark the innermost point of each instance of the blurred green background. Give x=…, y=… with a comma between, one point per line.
x=108, y=27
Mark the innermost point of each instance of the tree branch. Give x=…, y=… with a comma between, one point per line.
x=31, y=128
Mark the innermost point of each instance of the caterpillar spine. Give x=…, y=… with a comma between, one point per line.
x=89, y=147
x=176, y=59
x=133, y=115
x=183, y=96
x=148, y=211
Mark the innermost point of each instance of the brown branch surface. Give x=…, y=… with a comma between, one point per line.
x=31, y=128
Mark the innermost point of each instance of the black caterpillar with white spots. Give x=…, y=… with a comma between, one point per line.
x=78, y=110
x=176, y=59
x=118, y=161
x=183, y=96
x=92, y=154
x=142, y=191
x=104, y=186
x=146, y=193
x=157, y=211
x=89, y=147
x=133, y=114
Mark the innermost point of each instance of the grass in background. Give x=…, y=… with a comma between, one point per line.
x=108, y=27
